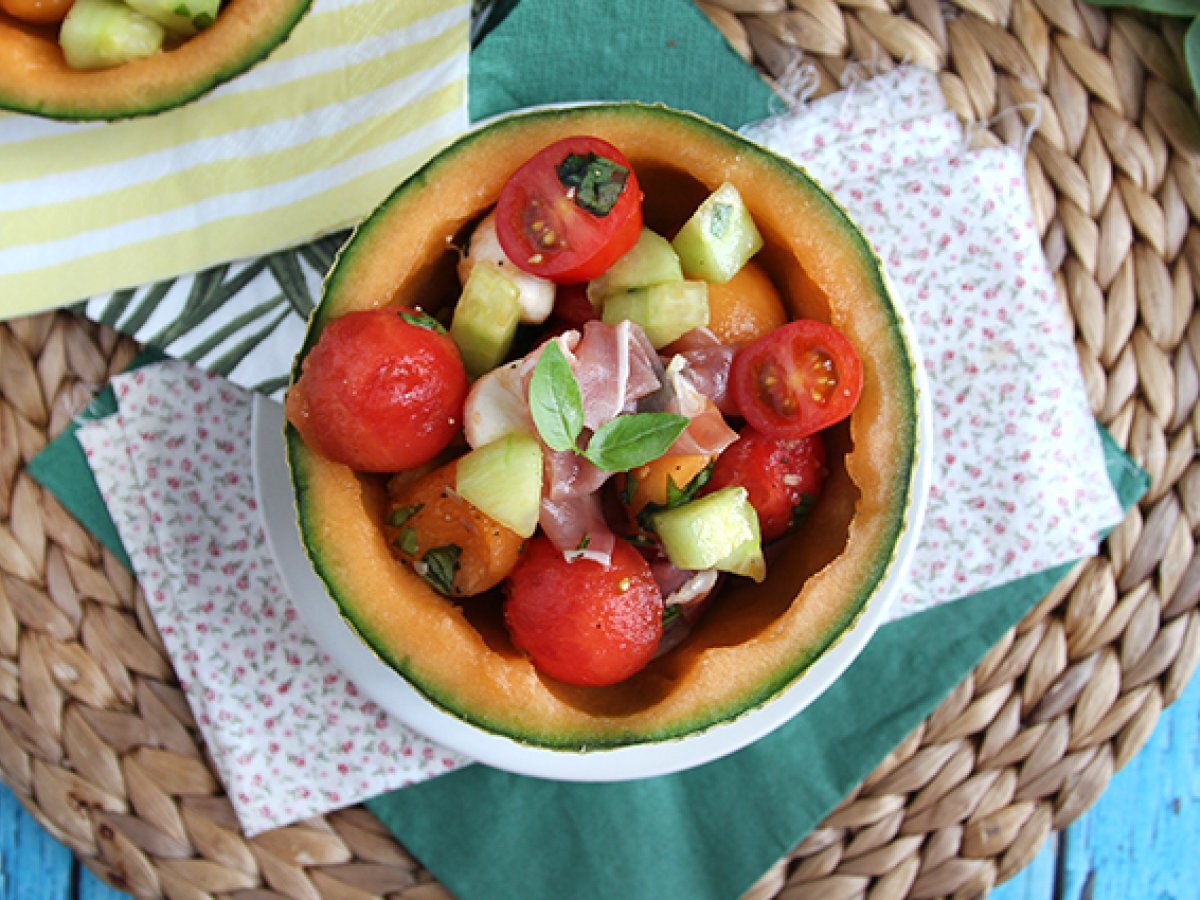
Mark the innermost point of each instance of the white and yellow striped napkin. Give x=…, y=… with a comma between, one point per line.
x=307, y=142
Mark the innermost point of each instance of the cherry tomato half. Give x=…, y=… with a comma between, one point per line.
x=40, y=12
x=583, y=622
x=571, y=211
x=381, y=391
x=783, y=476
x=797, y=380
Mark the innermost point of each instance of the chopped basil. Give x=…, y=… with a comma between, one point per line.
x=722, y=215
x=407, y=541
x=584, y=542
x=423, y=320
x=676, y=496
x=671, y=613
x=439, y=566
x=402, y=514
x=597, y=182
x=202, y=21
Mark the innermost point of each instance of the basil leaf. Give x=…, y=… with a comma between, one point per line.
x=402, y=514
x=407, y=541
x=630, y=441
x=439, y=566
x=423, y=320
x=596, y=181
x=555, y=401
x=676, y=496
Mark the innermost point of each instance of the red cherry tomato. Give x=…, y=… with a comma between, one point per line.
x=797, y=379
x=582, y=622
x=381, y=391
x=783, y=476
x=571, y=211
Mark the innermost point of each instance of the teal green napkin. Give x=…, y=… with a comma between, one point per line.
x=714, y=830
x=657, y=52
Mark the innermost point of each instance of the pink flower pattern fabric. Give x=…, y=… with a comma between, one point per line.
x=290, y=735
x=1019, y=483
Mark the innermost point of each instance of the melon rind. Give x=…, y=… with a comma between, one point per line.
x=713, y=678
x=35, y=79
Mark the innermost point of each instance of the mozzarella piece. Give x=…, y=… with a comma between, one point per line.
x=495, y=407
x=536, y=295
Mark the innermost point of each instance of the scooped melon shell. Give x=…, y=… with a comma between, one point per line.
x=757, y=639
x=35, y=78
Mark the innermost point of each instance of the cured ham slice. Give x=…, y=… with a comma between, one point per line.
x=615, y=366
x=707, y=433
x=577, y=528
x=708, y=366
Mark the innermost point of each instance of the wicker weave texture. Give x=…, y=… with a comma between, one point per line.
x=96, y=738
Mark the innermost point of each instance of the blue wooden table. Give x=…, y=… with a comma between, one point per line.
x=1141, y=840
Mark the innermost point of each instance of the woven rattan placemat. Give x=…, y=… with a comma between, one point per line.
x=96, y=738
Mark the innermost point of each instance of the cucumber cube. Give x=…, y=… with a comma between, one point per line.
x=717, y=531
x=719, y=238
x=100, y=34
x=181, y=18
x=485, y=318
x=503, y=480
x=652, y=260
x=665, y=311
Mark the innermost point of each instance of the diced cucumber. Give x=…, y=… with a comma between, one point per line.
x=719, y=237
x=717, y=531
x=665, y=311
x=503, y=479
x=181, y=18
x=100, y=34
x=652, y=260
x=485, y=318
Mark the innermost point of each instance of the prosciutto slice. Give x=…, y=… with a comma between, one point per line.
x=615, y=366
x=577, y=528
x=707, y=433
x=708, y=365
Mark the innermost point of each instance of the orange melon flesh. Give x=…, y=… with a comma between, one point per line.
x=757, y=639
x=35, y=78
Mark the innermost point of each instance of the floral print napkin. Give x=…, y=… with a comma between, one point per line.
x=1019, y=483
x=290, y=736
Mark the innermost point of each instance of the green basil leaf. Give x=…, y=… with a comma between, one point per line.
x=407, y=541
x=423, y=320
x=596, y=181
x=627, y=442
x=439, y=566
x=402, y=514
x=555, y=401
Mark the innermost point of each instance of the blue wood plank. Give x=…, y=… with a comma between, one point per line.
x=33, y=865
x=1036, y=880
x=1142, y=839
x=92, y=888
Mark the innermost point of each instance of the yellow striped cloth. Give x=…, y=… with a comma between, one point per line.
x=307, y=142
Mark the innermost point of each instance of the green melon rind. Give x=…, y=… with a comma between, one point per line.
x=882, y=558
x=255, y=53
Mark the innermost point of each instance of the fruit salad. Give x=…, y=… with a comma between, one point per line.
x=604, y=425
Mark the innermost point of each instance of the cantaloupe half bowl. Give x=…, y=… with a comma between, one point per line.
x=35, y=77
x=762, y=651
